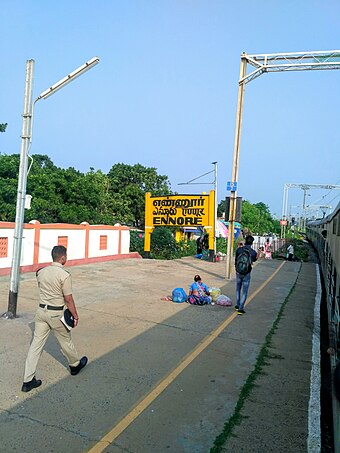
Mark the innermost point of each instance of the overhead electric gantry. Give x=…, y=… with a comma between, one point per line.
x=305, y=188
x=278, y=62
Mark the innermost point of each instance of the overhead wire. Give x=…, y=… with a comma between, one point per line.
x=336, y=196
x=324, y=196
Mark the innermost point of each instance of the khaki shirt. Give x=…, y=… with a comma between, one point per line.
x=54, y=283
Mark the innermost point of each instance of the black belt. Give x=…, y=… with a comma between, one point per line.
x=51, y=307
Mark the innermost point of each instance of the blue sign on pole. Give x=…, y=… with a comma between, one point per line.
x=232, y=186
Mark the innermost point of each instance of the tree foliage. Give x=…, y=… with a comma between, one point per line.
x=3, y=127
x=221, y=208
x=127, y=187
x=70, y=196
x=256, y=217
x=67, y=195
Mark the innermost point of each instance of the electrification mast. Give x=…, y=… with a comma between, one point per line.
x=275, y=62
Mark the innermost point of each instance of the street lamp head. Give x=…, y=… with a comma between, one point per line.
x=73, y=75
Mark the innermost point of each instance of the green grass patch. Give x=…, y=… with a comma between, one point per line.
x=261, y=362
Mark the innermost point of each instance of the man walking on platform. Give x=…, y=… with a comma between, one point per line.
x=55, y=291
x=244, y=258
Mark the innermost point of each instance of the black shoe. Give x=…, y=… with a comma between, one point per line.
x=75, y=369
x=241, y=312
x=236, y=307
x=33, y=384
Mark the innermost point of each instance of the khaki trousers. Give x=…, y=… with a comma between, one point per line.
x=45, y=321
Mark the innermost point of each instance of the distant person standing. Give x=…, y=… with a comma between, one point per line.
x=202, y=243
x=55, y=291
x=290, y=252
x=260, y=253
x=244, y=258
x=268, y=250
x=199, y=246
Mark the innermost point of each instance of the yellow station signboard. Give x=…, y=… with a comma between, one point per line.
x=181, y=211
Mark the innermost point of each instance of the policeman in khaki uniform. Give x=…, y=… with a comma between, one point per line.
x=55, y=291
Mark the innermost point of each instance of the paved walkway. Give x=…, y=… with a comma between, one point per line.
x=173, y=373
x=275, y=416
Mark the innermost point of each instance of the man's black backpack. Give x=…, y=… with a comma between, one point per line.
x=243, y=262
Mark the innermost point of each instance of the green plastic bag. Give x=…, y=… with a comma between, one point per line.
x=214, y=293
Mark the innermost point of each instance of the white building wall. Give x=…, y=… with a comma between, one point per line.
x=112, y=242
x=27, y=247
x=7, y=232
x=47, y=237
x=75, y=243
x=125, y=246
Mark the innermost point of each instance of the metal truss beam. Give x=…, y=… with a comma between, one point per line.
x=304, y=186
x=295, y=61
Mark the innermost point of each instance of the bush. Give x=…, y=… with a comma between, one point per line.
x=137, y=242
x=301, y=250
x=221, y=245
x=187, y=248
x=164, y=245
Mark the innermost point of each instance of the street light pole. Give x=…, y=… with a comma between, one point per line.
x=26, y=139
x=26, y=136
x=69, y=78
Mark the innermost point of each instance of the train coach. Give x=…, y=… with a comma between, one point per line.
x=324, y=235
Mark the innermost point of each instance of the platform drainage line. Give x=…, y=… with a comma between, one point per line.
x=248, y=386
x=140, y=407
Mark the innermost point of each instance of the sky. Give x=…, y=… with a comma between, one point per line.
x=165, y=91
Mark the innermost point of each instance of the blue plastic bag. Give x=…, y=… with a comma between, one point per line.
x=179, y=295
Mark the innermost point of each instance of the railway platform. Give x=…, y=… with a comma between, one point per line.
x=166, y=377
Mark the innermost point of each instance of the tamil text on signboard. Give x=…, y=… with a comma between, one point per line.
x=179, y=211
